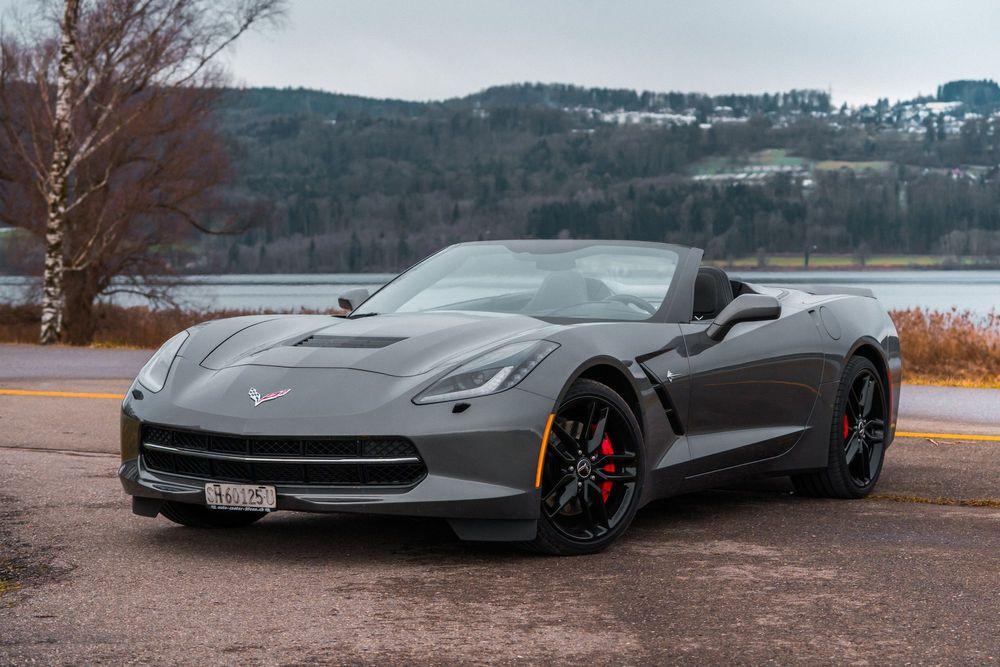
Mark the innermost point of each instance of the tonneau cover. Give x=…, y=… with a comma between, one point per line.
x=830, y=289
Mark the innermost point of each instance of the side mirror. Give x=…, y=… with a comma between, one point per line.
x=352, y=298
x=745, y=308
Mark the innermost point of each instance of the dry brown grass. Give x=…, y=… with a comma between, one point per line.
x=953, y=348
x=939, y=500
x=135, y=327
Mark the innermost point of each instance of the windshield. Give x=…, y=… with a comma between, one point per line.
x=596, y=282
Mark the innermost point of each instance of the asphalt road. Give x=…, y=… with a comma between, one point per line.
x=742, y=576
x=954, y=409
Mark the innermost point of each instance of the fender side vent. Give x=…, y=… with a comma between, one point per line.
x=367, y=342
x=668, y=404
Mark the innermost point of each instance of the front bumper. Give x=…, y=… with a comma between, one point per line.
x=434, y=496
x=481, y=461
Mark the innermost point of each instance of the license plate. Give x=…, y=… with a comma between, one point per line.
x=245, y=497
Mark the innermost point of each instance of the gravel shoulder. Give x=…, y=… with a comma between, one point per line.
x=732, y=576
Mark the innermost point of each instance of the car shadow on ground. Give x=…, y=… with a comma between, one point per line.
x=344, y=538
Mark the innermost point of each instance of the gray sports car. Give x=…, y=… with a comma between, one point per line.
x=537, y=392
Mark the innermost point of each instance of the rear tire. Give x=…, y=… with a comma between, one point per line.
x=592, y=475
x=199, y=516
x=857, y=437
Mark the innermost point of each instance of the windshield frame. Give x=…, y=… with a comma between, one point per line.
x=673, y=308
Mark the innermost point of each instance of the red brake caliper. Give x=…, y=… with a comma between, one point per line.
x=845, y=428
x=606, y=449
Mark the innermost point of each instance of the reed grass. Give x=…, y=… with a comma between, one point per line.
x=117, y=326
x=954, y=347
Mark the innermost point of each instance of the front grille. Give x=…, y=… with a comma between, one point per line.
x=215, y=456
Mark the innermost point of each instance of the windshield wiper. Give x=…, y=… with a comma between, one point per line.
x=358, y=317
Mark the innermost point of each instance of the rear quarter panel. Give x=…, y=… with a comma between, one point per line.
x=862, y=322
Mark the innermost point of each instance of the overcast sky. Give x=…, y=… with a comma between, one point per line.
x=431, y=49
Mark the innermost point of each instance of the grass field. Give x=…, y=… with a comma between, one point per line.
x=779, y=157
x=879, y=166
x=770, y=157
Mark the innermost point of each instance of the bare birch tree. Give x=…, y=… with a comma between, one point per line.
x=56, y=194
x=97, y=117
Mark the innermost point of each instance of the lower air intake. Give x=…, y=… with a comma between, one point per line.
x=392, y=462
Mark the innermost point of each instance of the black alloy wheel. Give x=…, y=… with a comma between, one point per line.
x=863, y=429
x=857, y=437
x=592, y=472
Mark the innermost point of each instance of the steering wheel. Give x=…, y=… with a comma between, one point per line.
x=630, y=300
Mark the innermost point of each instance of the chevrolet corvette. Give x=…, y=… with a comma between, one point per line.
x=536, y=392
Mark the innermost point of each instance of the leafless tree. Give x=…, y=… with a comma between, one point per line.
x=107, y=149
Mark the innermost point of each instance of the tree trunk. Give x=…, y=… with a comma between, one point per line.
x=79, y=318
x=57, y=187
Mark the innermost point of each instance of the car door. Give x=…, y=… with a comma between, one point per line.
x=751, y=393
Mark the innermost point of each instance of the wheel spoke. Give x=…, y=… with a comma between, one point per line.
x=563, y=492
x=599, y=426
x=852, y=449
x=605, y=459
x=874, y=457
x=853, y=407
x=854, y=400
x=584, y=497
x=866, y=456
x=599, y=511
x=868, y=394
x=564, y=445
x=614, y=476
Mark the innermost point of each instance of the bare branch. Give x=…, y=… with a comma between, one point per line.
x=106, y=145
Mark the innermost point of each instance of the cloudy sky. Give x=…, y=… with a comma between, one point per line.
x=432, y=49
x=429, y=49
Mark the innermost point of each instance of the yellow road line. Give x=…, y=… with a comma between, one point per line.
x=949, y=436
x=59, y=394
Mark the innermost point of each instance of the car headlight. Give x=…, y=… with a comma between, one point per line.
x=490, y=373
x=154, y=374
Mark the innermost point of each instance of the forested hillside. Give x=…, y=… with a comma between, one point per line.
x=325, y=182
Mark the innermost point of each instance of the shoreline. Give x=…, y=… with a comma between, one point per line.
x=773, y=263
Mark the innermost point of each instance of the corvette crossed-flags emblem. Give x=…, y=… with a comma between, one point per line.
x=258, y=399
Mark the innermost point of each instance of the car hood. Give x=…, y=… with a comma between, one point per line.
x=400, y=344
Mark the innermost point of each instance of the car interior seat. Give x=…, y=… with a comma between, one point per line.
x=560, y=289
x=712, y=292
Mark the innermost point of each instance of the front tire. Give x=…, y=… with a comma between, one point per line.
x=199, y=516
x=857, y=437
x=592, y=472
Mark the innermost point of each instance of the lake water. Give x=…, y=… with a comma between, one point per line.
x=977, y=291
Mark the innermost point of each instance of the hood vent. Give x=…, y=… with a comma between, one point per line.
x=356, y=342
